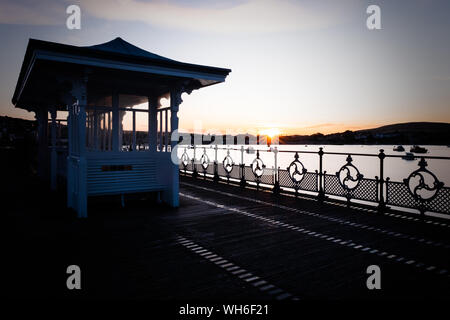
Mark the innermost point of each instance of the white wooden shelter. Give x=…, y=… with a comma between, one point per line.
x=118, y=133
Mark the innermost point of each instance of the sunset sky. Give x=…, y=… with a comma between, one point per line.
x=299, y=66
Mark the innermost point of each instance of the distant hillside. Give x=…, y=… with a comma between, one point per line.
x=16, y=126
x=431, y=133
x=434, y=127
x=434, y=133
x=14, y=131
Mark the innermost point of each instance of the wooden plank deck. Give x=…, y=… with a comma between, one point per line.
x=223, y=244
x=319, y=261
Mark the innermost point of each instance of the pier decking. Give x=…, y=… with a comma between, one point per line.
x=223, y=243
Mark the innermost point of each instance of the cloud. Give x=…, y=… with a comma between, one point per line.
x=248, y=16
x=323, y=125
x=327, y=128
x=43, y=12
x=210, y=16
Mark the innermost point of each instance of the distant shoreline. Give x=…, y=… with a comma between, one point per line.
x=411, y=133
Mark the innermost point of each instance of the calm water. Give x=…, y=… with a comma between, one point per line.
x=395, y=168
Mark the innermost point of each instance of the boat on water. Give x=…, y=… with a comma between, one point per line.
x=408, y=156
x=250, y=150
x=399, y=148
x=418, y=149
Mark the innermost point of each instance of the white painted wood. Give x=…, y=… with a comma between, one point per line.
x=109, y=131
x=146, y=171
x=95, y=162
x=171, y=194
x=115, y=121
x=76, y=162
x=70, y=182
x=45, y=55
x=134, y=131
x=42, y=120
x=95, y=133
x=166, y=130
x=160, y=133
x=153, y=104
x=53, y=156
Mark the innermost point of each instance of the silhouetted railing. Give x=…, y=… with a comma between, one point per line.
x=421, y=189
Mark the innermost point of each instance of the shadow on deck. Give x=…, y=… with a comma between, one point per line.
x=223, y=244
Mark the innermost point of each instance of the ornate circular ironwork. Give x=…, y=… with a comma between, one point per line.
x=258, y=166
x=348, y=175
x=422, y=183
x=296, y=170
x=184, y=159
x=204, y=160
x=228, y=163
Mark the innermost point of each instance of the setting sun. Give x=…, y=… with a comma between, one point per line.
x=271, y=132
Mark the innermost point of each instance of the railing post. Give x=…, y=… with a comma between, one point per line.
x=194, y=164
x=216, y=165
x=381, y=204
x=251, y=167
x=276, y=186
x=242, y=168
x=232, y=164
x=181, y=159
x=321, y=191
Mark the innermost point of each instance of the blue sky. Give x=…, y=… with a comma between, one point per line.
x=302, y=66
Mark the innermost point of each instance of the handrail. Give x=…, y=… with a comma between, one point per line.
x=348, y=182
x=316, y=152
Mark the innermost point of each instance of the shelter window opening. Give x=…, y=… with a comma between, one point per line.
x=131, y=132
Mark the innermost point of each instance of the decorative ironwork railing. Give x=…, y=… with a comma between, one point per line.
x=421, y=190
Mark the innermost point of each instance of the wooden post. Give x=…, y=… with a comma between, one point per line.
x=82, y=164
x=42, y=119
x=133, y=148
x=170, y=195
x=53, y=156
x=76, y=162
x=160, y=131
x=153, y=105
x=95, y=132
x=166, y=130
x=109, y=131
x=104, y=131
x=70, y=173
x=116, y=121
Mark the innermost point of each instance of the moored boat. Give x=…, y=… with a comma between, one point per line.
x=418, y=149
x=399, y=148
x=408, y=156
